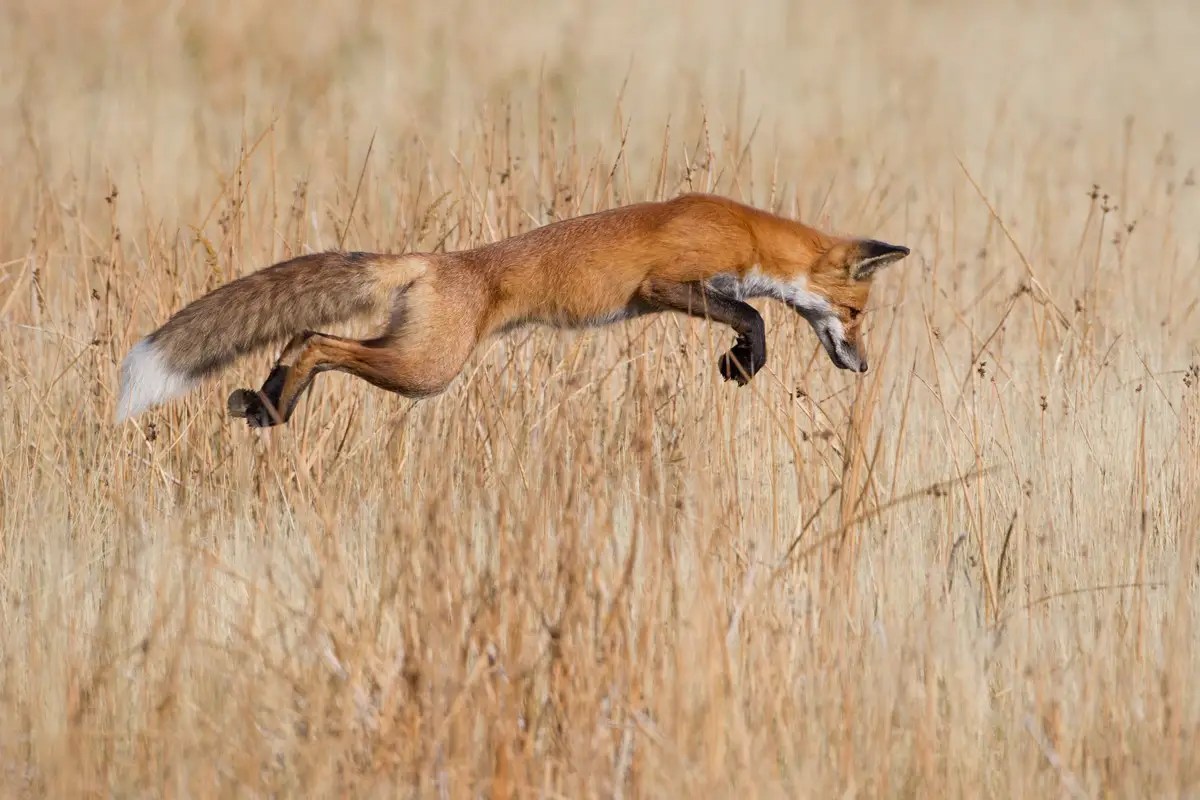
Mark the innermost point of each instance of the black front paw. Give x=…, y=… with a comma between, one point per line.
x=742, y=361
x=251, y=406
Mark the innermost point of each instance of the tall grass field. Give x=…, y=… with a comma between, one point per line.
x=591, y=568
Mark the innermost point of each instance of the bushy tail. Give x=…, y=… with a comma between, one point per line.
x=245, y=315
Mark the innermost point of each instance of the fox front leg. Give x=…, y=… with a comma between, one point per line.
x=747, y=356
x=749, y=352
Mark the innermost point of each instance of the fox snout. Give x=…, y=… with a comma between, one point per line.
x=846, y=356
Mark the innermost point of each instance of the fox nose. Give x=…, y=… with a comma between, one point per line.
x=862, y=365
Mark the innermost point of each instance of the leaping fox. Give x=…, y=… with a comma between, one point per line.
x=700, y=255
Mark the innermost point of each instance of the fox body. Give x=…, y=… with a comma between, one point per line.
x=700, y=255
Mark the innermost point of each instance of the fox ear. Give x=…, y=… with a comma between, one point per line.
x=871, y=255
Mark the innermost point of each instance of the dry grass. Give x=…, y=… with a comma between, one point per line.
x=591, y=568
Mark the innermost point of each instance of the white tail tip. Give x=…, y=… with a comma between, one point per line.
x=147, y=380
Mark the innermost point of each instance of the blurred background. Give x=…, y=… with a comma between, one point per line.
x=167, y=95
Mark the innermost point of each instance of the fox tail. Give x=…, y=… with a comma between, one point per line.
x=256, y=310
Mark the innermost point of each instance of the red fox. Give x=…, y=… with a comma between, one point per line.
x=700, y=255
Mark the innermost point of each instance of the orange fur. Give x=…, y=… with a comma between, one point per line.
x=697, y=254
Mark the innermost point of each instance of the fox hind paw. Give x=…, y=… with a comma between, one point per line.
x=248, y=404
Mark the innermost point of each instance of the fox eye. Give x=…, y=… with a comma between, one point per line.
x=854, y=313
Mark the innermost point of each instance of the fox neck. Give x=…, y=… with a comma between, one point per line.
x=784, y=251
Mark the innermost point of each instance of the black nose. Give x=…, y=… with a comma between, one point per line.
x=862, y=365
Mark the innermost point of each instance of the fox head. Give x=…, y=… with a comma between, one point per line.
x=834, y=294
x=827, y=281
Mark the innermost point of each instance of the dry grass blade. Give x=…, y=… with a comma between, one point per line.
x=357, y=189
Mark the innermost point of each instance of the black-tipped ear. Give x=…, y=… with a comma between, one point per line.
x=873, y=255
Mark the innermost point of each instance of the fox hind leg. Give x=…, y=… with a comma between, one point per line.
x=262, y=409
x=427, y=341
x=410, y=363
x=298, y=364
